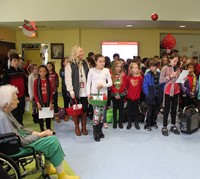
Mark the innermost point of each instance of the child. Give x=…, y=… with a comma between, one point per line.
x=16, y=77
x=169, y=74
x=134, y=88
x=118, y=92
x=31, y=79
x=190, y=87
x=43, y=94
x=99, y=79
x=53, y=76
x=107, y=65
x=153, y=92
x=66, y=98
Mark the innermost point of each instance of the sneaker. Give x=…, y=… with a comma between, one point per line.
x=155, y=126
x=165, y=131
x=105, y=125
x=175, y=130
x=162, y=111
x=147, y=128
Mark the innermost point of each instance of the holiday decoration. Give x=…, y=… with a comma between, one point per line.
x=105, y=97
x=28, y=29
x=154, y=17
x=169, y=42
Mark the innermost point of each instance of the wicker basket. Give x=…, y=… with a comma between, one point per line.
x=74, y=112
x=98, y=102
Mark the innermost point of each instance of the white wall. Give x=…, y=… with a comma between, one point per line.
x=50, y=10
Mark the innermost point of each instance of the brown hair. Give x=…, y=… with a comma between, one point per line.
x=53, y=66
x=162, y=60
x=153, y=62
x=190, y=64
x=175, y=55
x=62, y=61
x=31, y=67
x=97, y=56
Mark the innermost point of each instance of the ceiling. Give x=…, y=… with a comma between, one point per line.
x=172, y=25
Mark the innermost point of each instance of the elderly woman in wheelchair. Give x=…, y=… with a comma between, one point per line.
x=43, y=142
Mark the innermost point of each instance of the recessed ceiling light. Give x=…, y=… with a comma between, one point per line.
x=182, y=26
x=129, y=25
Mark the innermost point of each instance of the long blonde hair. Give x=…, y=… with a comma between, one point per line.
x=75, y=53
x=113, y=70
x=131, y=66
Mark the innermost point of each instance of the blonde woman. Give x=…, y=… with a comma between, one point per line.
x=75, y=79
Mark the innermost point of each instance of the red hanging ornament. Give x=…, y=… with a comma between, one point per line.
x=169, y=42
x=154, y=17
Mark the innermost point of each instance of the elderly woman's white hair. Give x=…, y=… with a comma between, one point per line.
x=6, y=94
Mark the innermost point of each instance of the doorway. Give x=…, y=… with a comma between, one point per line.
x=35, y=53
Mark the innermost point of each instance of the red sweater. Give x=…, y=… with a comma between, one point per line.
x=17, y=78
x=55, y=81
x=44, y=91
x=197, y=70
x=121, y=89
x=134, y=87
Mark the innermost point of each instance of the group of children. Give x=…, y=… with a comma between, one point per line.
x=158, y=86
x=40, y=88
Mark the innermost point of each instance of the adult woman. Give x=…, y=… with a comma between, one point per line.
x=40, y=141
x=75, y=78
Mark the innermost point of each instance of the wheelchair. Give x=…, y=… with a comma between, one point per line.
x=14, y=157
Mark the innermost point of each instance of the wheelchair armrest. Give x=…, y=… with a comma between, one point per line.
x=8, y=135
x=33, y=150
x=10, y=143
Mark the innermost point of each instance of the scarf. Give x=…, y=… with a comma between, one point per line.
x=39, y=89
x=194, y=83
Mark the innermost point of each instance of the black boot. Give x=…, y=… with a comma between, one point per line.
x=95, y=133
x=35, y=118
x=129, y=123
x=41, y=123
x=137, y=126
x=114, y=124
x=120, y=124
x=101, y=135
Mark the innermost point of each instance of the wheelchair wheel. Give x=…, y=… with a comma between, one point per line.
x=46, y=176
x=10, y=166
